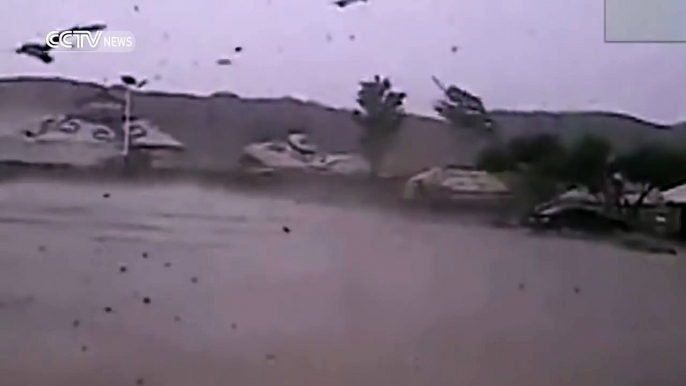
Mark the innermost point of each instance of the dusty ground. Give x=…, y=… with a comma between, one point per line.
x=348, y=297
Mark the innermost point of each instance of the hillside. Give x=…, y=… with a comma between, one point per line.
x=623, y=130
x=215, y=128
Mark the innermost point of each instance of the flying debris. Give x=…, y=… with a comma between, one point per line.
x=90, y=28
x=345, y=3
x=135, y=8
x=128, y=79
x=238, y=49
x=39, y=51
x=224, y=62
x=131, y=81
x=42, y=51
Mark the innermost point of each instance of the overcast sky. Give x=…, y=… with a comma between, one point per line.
x=516, y=54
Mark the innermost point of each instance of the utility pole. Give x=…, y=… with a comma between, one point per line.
x=127, y=118
x=129, y=81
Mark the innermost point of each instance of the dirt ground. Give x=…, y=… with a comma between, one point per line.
x=232, y=287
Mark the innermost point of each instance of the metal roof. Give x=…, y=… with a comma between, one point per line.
x=676, y=195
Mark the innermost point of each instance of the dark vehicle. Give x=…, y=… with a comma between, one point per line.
x=576, y=217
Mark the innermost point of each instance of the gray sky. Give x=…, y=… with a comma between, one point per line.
x=517, y=54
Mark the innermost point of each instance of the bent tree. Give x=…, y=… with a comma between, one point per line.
x=380, y=115
x=463, y=110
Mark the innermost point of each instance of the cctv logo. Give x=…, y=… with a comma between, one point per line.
x=56, y=39
x=97, y=41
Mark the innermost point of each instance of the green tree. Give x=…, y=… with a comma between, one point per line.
x=541, y=158
x=587, y=162
x=462, y=109
x=653, y=166
x=543, y=154
x=380, y=115
x=530, y=149
x=495, y=159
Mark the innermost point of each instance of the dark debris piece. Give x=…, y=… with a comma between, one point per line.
x=224, y=62
x=42, y=51
x=139, y=381
x=109, y=310
x=84, y=348
x=521, y=286
x=38, y=51
x=345, y=3
x=145, y=255
x=146, y=300
x=41, y=248
x=453, y=49
x=76, y=323
x=270, y=357
x=286, y=229
x=167, y=265
x=576, y=290
x=123, y=269
x=352, y=37
x=194, y=279
x=234, y=326
x=106, y=195
x=238, y=49
x=90, y=27
x=177, y=318
x=135, y=8
x=129, y=80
